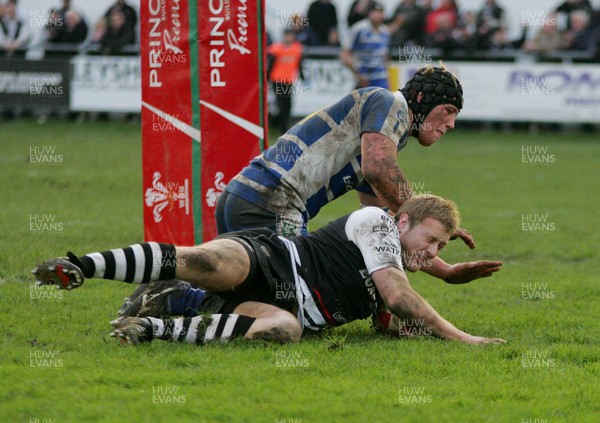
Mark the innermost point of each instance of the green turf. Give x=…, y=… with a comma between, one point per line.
x=58, y=364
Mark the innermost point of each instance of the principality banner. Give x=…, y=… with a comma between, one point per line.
x=169, y=134
x=202, y=109
x=232, y=114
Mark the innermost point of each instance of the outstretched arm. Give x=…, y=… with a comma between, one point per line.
x=460, y=273
x=404, y=302
x=346, y=58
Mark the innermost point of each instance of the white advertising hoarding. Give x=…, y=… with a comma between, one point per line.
x=325, y=82
x=533, y=92
x=106, y=83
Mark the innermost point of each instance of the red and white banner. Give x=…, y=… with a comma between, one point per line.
x=231, y=86
x=202, y=109
x=167, y=129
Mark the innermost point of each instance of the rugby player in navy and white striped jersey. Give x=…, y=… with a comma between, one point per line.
x=350, y=145
x=263, y=286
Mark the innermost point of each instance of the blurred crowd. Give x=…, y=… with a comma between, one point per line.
x=570, y=25
x=66, y=28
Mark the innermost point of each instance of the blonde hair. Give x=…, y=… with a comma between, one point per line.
x=420, y=207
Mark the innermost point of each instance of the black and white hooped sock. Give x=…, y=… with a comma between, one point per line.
x=201, y=329
x=138, y=263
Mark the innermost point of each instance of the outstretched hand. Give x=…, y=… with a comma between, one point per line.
x=465, y=236
x=466, y=272
x=479, y=340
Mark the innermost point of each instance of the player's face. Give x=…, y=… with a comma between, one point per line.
x=421, y=243
x=437, y=123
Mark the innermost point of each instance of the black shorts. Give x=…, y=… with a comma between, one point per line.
x=271, y=278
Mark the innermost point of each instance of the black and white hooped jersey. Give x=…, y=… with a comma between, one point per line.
x=334, y=265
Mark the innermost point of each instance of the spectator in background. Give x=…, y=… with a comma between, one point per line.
x=492, y=15
x=500, y=40
x=443, y=36
x=72, y=29
x=66, y=5
x=366, y=53
x=322, y=16
x=99, y=31
x=334, y=37
x=116, y=35
x=14, y=33
x=446, y=13
x=130, y=18
x=57, y=21
x=359, y=10
x=269, y=39
x=582, y=35
x=303, y=33
x=482, y=39
x=546, y=39
x=407, y=24
x=284, y=69
x=570, y=6
x=466, y=30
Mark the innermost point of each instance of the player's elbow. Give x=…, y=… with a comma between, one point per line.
x=394, y=301
x=399, y=304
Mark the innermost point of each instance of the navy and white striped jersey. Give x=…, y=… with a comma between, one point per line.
x=319, y=159
x=369, y=47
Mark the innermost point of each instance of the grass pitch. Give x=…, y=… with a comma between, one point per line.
x=530, y=200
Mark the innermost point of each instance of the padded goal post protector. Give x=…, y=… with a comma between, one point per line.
x=203, y=109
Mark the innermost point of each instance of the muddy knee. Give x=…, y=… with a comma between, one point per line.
x=284, y=330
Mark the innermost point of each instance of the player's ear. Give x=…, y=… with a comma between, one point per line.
x=402, y=221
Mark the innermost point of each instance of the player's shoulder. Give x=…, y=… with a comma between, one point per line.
x=381, y=97
x=361, y=25
x=370, y=219
x=382, y=93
